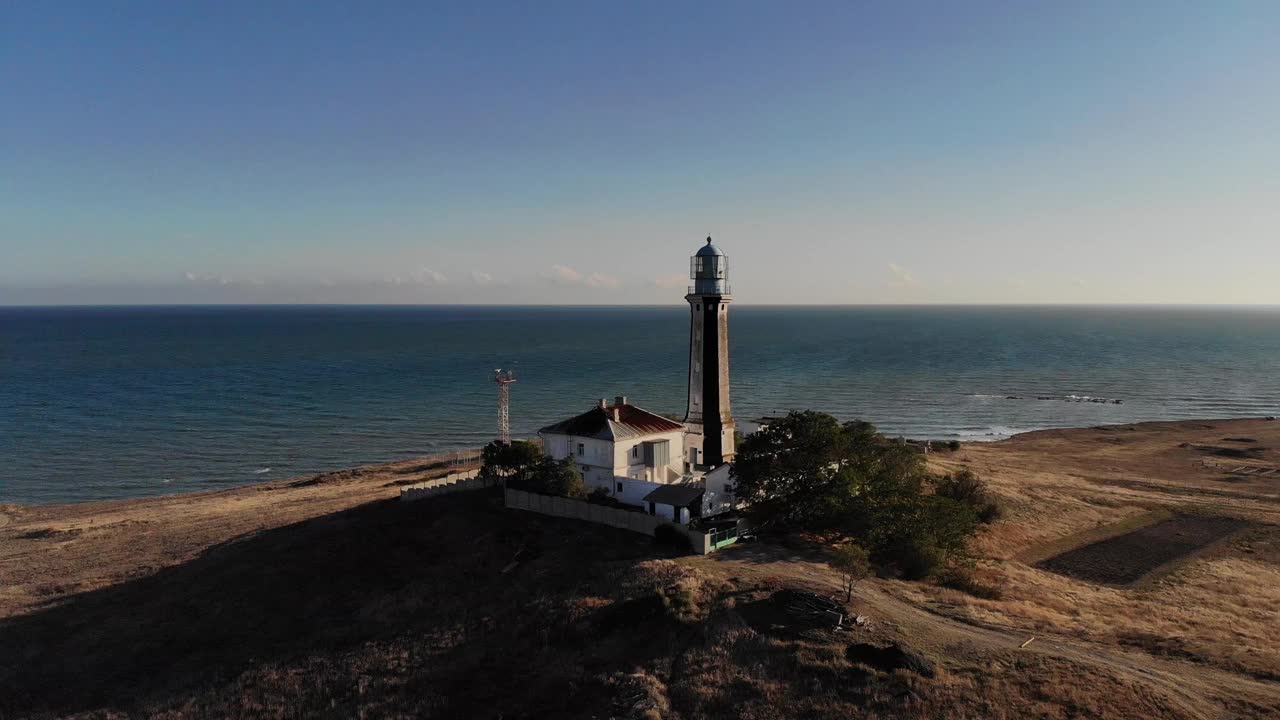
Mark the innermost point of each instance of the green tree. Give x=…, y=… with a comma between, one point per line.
x=808, y=471
x=512, y=461
x=554, y=477
x=916, y=535
x=852, y=563
x=795, y=471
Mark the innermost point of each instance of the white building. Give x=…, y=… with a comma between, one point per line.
x=626, y=450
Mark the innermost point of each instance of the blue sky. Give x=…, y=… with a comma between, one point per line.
x=577, y=152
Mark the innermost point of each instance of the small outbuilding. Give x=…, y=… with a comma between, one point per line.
x=679, y=503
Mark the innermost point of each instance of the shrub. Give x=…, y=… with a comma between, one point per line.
x=953, y=445
x=913, y=557
x=966, y=488
x=962, y=578
x=681, y=602
x=672, y=536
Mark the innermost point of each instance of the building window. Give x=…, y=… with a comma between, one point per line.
x=619, y=487
x=728, y=489
x=635, y=451
x=697, y=308
x=582, y=449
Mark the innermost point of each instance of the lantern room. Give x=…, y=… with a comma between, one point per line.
x=709, y=270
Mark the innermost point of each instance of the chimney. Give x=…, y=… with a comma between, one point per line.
x=620, y=400
x=616, y=413
x=603, y=403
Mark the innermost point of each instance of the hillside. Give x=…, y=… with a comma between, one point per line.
x=325, y=597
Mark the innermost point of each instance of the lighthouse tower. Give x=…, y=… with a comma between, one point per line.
x=708, y=420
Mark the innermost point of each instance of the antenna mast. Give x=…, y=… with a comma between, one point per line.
x=504, y=404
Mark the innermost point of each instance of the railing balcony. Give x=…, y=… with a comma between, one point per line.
x=721, y=287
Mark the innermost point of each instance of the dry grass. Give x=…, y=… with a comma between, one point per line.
x=1068, y=488
x=325, y=600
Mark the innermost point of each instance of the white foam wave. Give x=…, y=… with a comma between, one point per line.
x=989, y=433
x=260, y=471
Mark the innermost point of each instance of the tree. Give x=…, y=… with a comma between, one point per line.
x=853, y=565
x=512, y=461
x=808, y=471
x=554, y=477
x=801, y=470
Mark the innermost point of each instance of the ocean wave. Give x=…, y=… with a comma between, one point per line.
x=986, y=433
x=1061, y=398
x=261, y=471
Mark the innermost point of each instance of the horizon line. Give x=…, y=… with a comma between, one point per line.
x=638, y=305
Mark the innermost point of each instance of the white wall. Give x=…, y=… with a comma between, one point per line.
x=625, y=464
x=716, y=498
x=633, y=491
x=603, y=460
x=595, y=462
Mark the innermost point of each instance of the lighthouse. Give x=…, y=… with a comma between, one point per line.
x=708, y=419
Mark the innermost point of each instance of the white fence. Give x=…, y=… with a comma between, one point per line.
x=451, y=483
x=599, y=514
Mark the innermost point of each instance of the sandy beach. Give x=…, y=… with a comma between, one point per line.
x=1196, y=634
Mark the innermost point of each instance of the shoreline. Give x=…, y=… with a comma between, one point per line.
x=471, y=458
x=96, y=543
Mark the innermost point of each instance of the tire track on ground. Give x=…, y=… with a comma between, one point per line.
x=1195, y=689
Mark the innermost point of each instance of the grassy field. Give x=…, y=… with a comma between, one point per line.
x=325, y=597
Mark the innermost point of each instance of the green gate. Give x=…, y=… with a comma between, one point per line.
x=722, y=538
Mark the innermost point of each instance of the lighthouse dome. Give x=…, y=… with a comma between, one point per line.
x=708, y=249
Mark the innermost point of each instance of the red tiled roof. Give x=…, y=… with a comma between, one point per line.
x=599, y=423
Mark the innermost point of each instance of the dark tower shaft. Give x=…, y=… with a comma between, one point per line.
x=708, y=417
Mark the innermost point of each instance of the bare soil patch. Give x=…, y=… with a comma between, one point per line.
x=1127, y=558
x=1249, y=453
x=42, y=533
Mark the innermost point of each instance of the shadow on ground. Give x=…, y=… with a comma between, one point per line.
x=385, y=608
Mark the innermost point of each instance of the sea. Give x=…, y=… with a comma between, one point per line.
x=113, y=402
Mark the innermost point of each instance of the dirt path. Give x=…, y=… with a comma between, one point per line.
x=1196, y=689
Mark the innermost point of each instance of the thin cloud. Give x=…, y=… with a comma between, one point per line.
x=570, y=277
x=201, y=279
x=427, y=276
x=481, y=278
x=668, y=282
x=600, y=280
x=421, y=276
x=901, y=277
x=564, y=275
